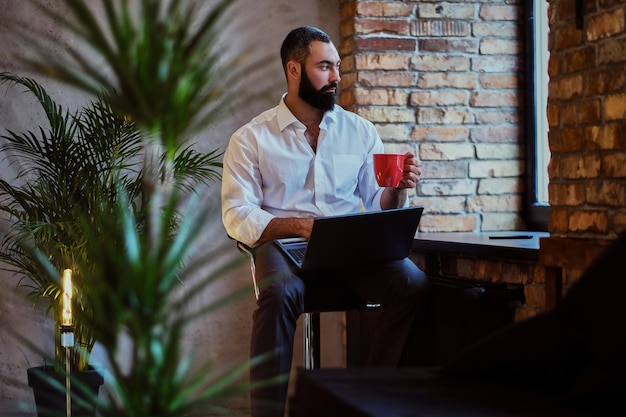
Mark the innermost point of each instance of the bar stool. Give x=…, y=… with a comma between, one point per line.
x=311, y=319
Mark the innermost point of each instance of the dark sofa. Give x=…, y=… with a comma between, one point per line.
x=570, y=361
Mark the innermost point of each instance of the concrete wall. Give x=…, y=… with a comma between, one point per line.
x=260, y=24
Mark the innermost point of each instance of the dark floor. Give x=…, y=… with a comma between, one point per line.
x=11, y=409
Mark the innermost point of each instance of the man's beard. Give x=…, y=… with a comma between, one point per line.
x=321, y=99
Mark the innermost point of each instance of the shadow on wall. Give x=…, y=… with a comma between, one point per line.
x=226, y=332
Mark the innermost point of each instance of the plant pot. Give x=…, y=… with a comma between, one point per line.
x=51, y=400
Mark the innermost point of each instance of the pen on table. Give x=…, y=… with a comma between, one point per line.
x=510, y=237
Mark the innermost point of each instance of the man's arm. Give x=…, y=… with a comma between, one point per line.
x=393, y=198
x=279, y=228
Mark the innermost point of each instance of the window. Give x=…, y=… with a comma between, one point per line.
x=537, y=209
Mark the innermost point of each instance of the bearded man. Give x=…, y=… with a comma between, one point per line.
x=304, y=158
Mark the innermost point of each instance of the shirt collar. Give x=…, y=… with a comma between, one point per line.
x=285, y=116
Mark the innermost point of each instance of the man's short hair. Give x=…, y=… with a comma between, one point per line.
x=296, y=44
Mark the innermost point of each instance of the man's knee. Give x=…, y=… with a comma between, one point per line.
x=417, y=282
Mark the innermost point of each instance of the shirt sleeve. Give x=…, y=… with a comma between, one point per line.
x=242, y=215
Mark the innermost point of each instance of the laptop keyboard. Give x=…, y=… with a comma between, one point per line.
x=298, y=253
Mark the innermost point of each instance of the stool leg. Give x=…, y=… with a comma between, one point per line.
x=311, y=334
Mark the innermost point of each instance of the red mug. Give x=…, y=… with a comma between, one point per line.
x=388, y=168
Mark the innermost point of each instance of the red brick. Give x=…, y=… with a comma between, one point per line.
x=567, y=140
x=498, y=12
x=578, y=60
x=499, y=81
x=604, y=81
x=448, y=45
x=495, y=99
x=535, y=296
x=606, y=136
x=614, y=165
x=386, y=44
x=607, y=193
x=568, y=194
x=590, y=221
x=369, y=26
x=558, y=219
x=605, y=25
x=580, y=166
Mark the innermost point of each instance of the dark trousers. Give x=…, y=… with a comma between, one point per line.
x=285, y=293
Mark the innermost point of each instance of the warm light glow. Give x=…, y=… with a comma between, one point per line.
x=66, y=319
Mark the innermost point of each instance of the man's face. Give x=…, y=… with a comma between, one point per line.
x=319, y=77
x=323, y=99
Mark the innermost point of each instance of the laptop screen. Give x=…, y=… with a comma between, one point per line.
x=366, y=237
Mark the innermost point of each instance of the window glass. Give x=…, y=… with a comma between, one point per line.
x=541, y=56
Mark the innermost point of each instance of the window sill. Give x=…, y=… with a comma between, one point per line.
x=473, y=244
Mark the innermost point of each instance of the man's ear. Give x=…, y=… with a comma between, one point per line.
x=293, y=69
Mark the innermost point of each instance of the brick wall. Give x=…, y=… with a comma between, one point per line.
x=539, y=296
x=443, y=79
x=587, y=111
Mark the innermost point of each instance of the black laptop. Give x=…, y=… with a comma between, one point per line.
x=346, y=240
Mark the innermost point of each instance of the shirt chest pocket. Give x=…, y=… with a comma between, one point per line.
x=346, y=172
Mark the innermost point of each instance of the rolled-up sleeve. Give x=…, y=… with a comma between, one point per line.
x=243, y=218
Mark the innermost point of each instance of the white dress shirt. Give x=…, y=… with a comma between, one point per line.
x=271, y=171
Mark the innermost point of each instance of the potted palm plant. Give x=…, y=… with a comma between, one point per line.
x=164, y=80
x=65, y=167
x=70, y=166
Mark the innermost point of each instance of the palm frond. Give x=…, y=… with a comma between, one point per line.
x=78, y=174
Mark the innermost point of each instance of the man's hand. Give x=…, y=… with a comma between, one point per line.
x=412, y=172
x=279, y=228
x=395, y=197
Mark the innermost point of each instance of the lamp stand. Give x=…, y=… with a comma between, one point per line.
x=67, y=341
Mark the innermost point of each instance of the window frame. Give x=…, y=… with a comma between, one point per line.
x=536, y=213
